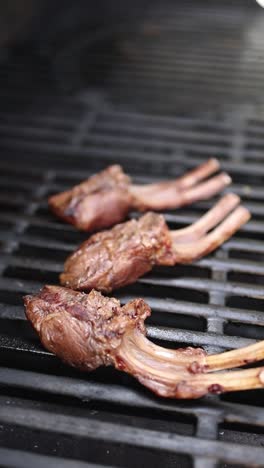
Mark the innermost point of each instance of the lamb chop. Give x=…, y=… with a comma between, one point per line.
x=88, y=330
x=107, y=197
x=117, y=257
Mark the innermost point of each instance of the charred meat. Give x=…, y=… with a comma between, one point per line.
x=88, y=330
x=107, y=197
x=117, y=257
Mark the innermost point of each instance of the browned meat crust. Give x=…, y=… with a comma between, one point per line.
x=106, y=198
x=98, y=202
x=114, y=258
x=117, y=257
x=87, y=331
x=82, y=329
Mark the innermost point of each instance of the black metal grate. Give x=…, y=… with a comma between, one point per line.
x=51, y=415
x=192, y=56
x=106, y=417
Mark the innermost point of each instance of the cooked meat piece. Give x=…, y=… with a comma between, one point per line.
x=82, y=329
x=117, y=257
x=87, y=331
x=106, y=198
x=98, y=202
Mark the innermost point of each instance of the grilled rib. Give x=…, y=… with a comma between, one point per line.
x=107, y=197
x=117, y=257
x=88, y=330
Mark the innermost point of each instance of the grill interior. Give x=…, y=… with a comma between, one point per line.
x=187, y=56
x=51, y=415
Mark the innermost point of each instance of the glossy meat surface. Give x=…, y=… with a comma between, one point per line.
x=84, y=330
x=114, y=258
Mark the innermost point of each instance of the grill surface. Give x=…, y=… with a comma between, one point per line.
x=205, y=55
x=63, y=418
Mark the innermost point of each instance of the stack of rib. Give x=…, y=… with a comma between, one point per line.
x=89, y=330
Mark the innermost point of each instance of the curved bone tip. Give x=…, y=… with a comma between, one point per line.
x=244, y=214
x=232, y=197
x=226, y=178
x=214, y=163
x=261, y=377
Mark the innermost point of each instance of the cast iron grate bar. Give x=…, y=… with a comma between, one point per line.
x=26, y=261
x=21, y=459
x=145, y=438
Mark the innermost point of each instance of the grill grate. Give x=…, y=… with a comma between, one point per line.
x=196, y=56
x=191, y=304
x=48, y=142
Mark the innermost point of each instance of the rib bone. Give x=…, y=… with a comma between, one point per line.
x=186, y=376
x=183, y=191
x=117, y=257
x=107, y=197
x=87, y=331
